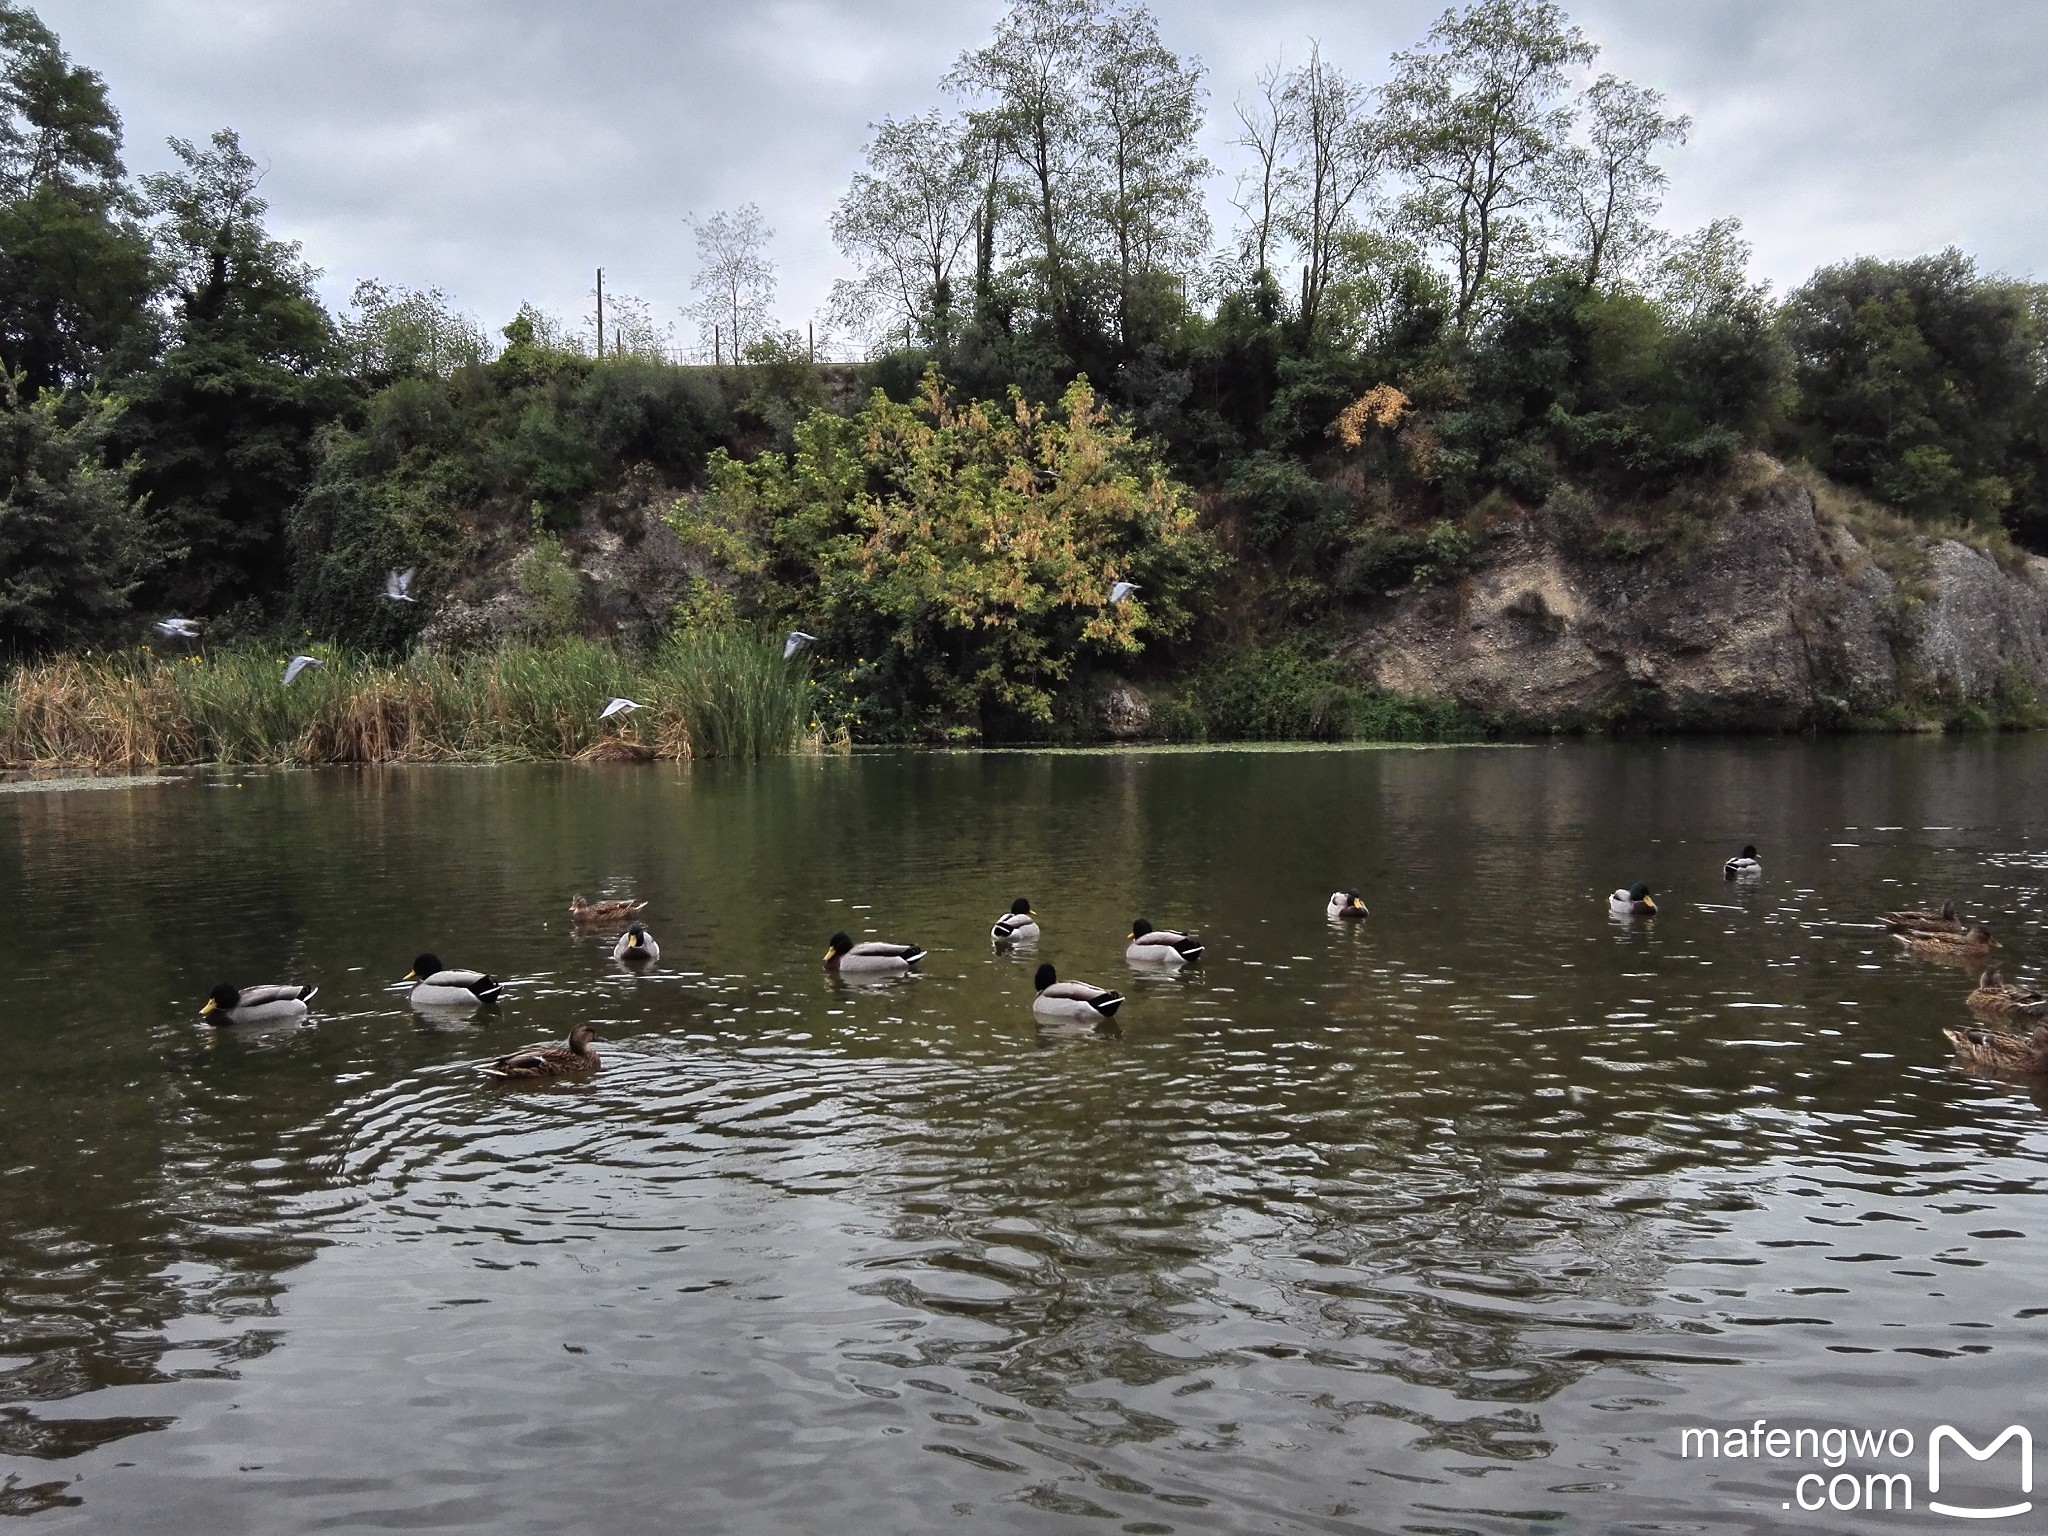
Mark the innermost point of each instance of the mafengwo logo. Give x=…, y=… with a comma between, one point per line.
x=1871, y=1471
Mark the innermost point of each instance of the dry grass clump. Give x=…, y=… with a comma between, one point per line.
x=708, y=695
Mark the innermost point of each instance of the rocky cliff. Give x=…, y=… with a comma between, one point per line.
x=1768, y=615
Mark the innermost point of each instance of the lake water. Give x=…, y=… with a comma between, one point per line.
x=1450, y=1221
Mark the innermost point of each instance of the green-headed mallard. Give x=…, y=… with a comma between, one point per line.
x=1744, y=866
x=1019, y=925
x=1922, y=921
x=872, y=958
x=1953, y=948
x=581, y=911
x=1999, y=1054
x=539, y=1061
x=1998, y=999
x=1058, y=999
x=1635, y=901
x=1146, y=945
x=256, y=1005
x=436, y=987
x=636, y=946
x=1346, y=907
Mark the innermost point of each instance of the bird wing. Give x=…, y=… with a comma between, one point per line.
x=887, y=951
x=617, y=707
x=255, y=997
x=1164, y=937
x=456, y=979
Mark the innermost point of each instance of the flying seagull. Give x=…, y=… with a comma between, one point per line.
x=398, y=585
x=796, y=641
x=177, y=629
x=619, y=707
x=1120, y=591
x=299, y=664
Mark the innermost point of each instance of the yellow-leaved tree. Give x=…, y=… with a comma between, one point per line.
x=956, y=559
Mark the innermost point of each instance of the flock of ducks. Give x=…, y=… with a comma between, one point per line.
x=1938, y=935
x=1941, y=936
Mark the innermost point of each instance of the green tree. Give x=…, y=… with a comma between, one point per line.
x=1478, y=116
x=1609, y=188
x=905, y=223
x=1916, y=380
x=735, y=281
x=1146, y=105
x=72, y=540
x=222, y=428
x=74, y=263
x=956, y=558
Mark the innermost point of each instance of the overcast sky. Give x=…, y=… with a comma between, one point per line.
x=502, y=149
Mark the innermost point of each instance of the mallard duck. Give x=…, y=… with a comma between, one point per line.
x=256, y=1005
x=1346, y=906
x=1019, y=925
x=1744, y=866
x=871, y=958
x=1636, y=901
x=1160, y=946
x=1944, y=921
x=2002, y=1000
x=1072, y=999
x=2000, y=1054
x=581, y=911
x=434, y=987
x=1952, y=947
x=538, y=1061
x=636, y=946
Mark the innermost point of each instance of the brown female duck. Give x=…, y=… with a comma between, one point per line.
x=1998, y=999
x=1997, y=1053
x=545, y=1061
x=1923, y=921
x=581, y=911
x=1968, y=948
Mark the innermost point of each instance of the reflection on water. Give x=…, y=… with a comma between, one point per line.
x=1442, y=1221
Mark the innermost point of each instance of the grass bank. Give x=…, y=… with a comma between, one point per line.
x=708, y=694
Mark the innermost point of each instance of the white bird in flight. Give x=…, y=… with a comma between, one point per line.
x=398, y=585
x=619, y=707
x=299, y=664
x=1120, y=591
x=796, y=641
x=177, y=629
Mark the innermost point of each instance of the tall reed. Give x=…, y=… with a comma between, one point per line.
x=708, y=695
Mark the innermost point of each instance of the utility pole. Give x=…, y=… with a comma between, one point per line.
x=600, y=312
x=717, y=348
x=812, y=326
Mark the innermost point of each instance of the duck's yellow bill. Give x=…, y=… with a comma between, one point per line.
x=210, y=1006
x=1649, y=905
x=828, y=954
x=412, y=976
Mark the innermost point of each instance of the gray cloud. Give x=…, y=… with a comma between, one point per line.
x=501, y=149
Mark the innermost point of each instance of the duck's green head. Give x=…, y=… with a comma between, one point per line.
x=637, y=935
x=423, y=966
x=221, y=999
x=1021, y=907
x=1639, y=892
x=840, y=943
x=1046, y=977
x=1139, y=928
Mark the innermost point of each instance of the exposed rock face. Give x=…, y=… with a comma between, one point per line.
x=1122, y=713
x=1777, y=621
x=630, y=567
